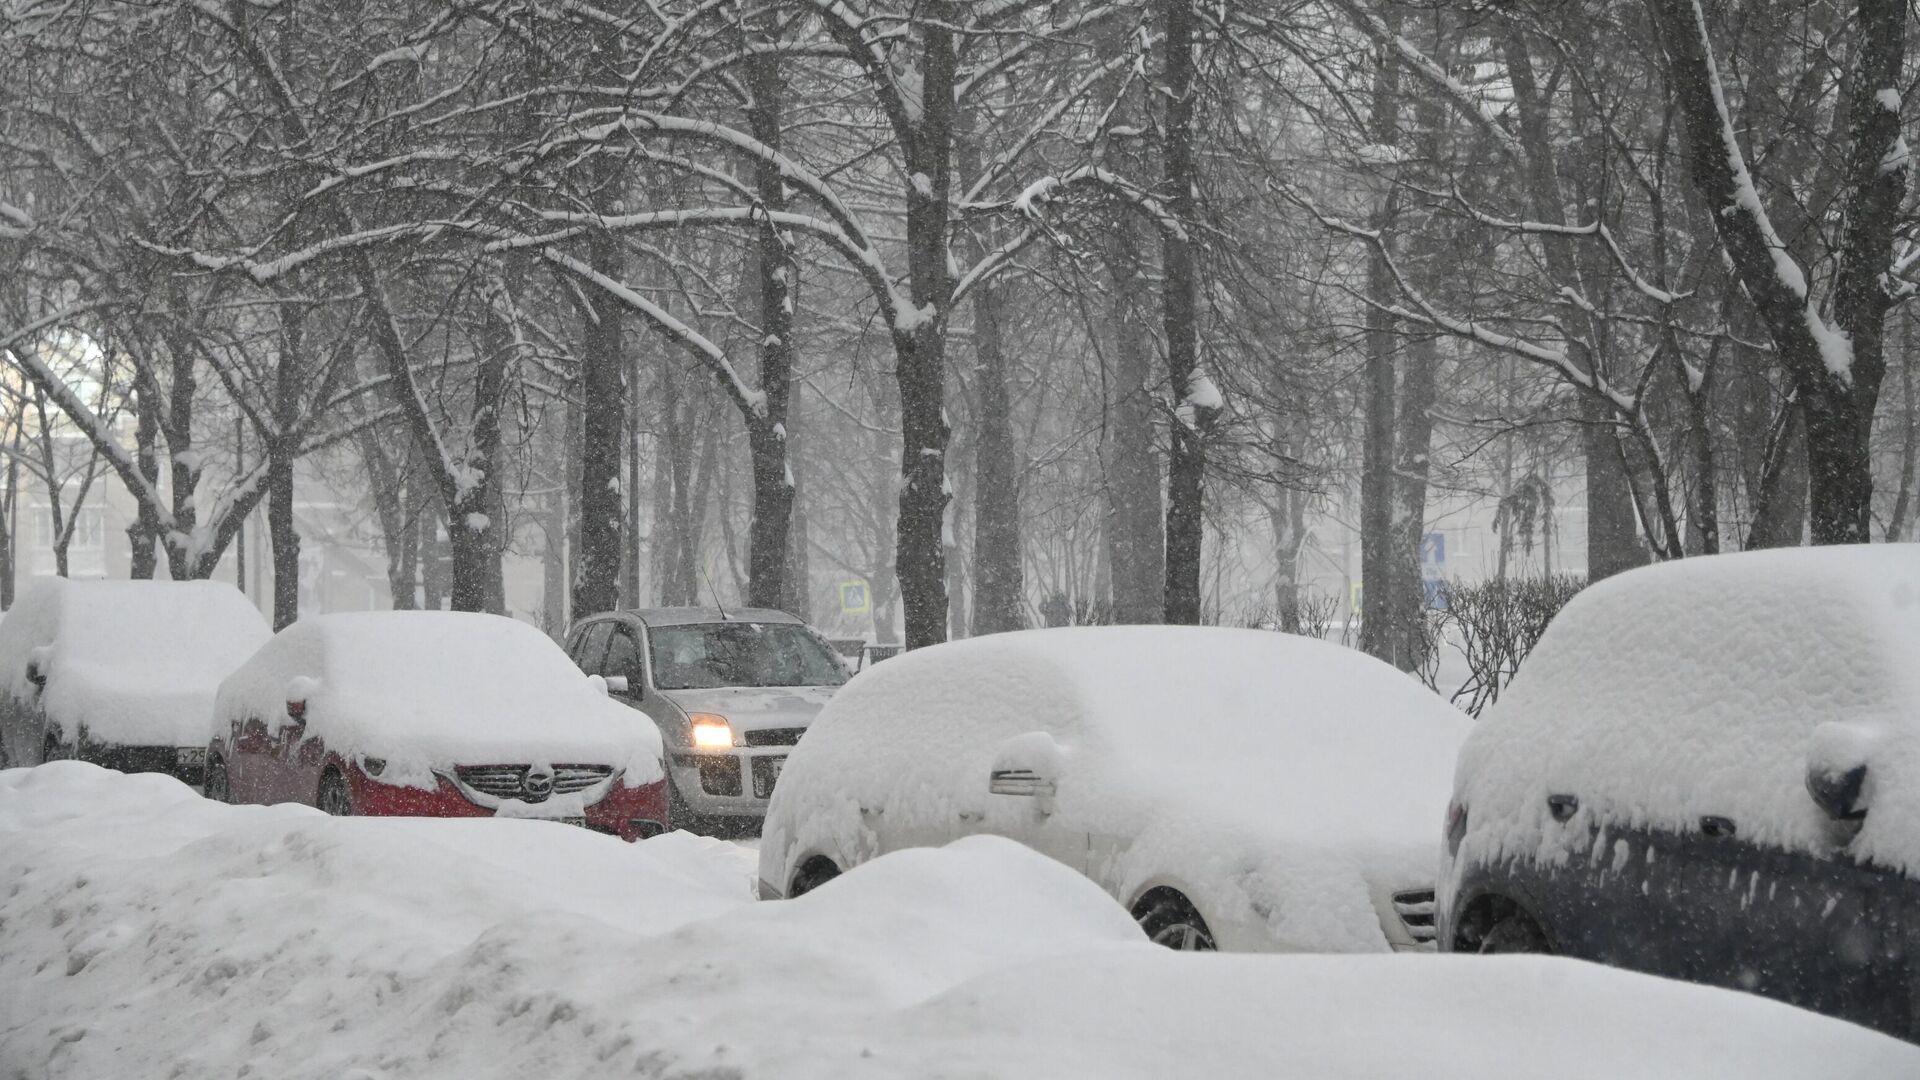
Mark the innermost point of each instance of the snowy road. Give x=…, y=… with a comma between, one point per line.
x=145, y=932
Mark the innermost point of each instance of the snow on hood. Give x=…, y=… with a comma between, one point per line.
x=136, y=662
x=429, y=690
x=754, y=708
x=141, y=924
x=1214, y=747
x=1697, y=687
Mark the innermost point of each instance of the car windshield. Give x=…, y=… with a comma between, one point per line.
x=707, y=655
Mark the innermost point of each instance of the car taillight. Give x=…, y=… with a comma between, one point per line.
x=1456, y=827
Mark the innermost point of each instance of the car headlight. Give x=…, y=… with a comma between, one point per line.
x=711, y=731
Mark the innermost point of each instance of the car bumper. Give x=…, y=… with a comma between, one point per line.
x=733, y=784
x=187, y=763
x=631, y=813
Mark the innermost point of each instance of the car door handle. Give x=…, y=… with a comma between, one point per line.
x=1717, y=827
x=973, y=815
x=1562, y=807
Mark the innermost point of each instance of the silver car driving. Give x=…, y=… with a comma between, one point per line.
x=732, y=691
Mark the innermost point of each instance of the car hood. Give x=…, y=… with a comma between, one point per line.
x=756, y=708
x=129, y=710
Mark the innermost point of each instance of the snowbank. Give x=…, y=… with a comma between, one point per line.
x=146, y=932
x=136, y=661
x=427, y=690
x=1696, y=687
x=1291, y=777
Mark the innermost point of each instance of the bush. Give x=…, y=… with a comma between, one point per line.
x=1494, y=625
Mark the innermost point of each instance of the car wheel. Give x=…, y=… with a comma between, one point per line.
x=1515, y=933
x=216, y=786
x=816, y=872
x=334, y=797
x=1169, y=919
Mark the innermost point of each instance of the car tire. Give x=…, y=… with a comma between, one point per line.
x=1514, y=933
x=216, y=786
x=1169, y=919
x=334, y=797
x=814, y=873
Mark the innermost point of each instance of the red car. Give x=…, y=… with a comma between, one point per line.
x=433, y=714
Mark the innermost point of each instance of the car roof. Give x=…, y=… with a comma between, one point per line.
x=683, y=616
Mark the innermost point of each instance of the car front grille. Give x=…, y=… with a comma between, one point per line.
x=510, y=781
x=1415, y=909
x=779, y=736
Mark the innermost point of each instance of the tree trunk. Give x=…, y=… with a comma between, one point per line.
x=1378, y=565
x=144, y=532
x=999, y=586
x=631, y=555
x=553, y=566
x=1136, y=552
x=395, y=515
x=1900, y=517
x=603, y=396
x=768, y=556
x=1197, y=406
x=1414, y=444
x=7, y=521
x=919, y=548
x=1133, y=530
x=472, y=533
x=433, y=557
x=184, y=459
x=284, y=537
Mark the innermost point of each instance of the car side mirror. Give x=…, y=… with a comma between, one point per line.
x=616, y=685
x=1841, y=793
x=1021, y=782
x=1028, y=766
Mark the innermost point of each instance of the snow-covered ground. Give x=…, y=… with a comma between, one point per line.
x=145, y=932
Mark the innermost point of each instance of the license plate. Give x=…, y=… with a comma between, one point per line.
x=191, y=755
x=580, y=821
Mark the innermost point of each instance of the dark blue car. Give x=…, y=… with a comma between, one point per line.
x=1710, y=770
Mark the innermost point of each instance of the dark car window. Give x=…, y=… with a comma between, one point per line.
x=591, y=651
x=707, y=655
x=623, y=655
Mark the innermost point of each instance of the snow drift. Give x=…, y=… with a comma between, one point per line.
x=147, y=932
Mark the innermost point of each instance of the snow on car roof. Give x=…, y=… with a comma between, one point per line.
x=137, y=661
x=435, y=688
x=1694, y=687
x=1298, y=734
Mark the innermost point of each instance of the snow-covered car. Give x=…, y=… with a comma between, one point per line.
x=1710, y=770
x=1234, y=789
x=119, y=673
x=432, y=714
x=731, y=692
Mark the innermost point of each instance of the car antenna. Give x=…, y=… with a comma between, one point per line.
x=713, y=592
